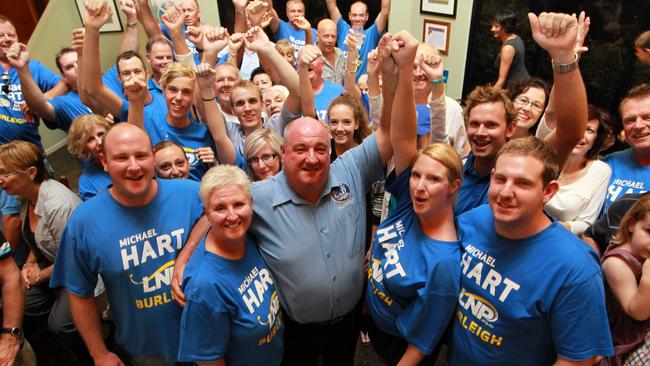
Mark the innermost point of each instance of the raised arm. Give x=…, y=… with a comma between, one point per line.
x=137, y=91
x=18, y=57
x=390, y=78
x=146, y=18
x=335, y=13
x=235, y=49
x=256, y=40
x=173, y=20
x=382, y=17
x=275, y=19
x=403, y=137
x=98, y=96
x=557, y=33
x=215, y=39
x=308, y=54
x=205, y=77
x=351, y=64
x=240, y=15
x=130, y=39
x=431, y=64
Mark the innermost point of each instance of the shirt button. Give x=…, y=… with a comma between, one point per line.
x=323, y=230
x=334, y=279
x=328, y=255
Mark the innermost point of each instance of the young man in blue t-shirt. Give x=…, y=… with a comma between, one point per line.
x=531, y=291
x=631, y=167
x=150, y=220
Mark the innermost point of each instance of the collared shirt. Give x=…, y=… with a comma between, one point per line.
x=335, y=73
x=473, y=191
x=316, y=252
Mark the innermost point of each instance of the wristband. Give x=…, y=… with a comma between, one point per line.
x=565, y=68
x=439, y=81
x=239, y=12
x=207, y=99
x=134, y=24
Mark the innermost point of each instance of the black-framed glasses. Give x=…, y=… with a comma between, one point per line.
x=266, y=158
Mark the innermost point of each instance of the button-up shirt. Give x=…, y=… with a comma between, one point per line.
x=335, y=73
x=316, y=251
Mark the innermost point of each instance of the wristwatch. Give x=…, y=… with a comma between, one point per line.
x=564, y=68
x=15, y=331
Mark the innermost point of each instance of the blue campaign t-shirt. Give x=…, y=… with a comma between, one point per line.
x=423, y=114
x=66, y=108
x=134, y=250
x=323, y=99
x=414, y=280
x=13, y=124
x=372, y=37
x=93, y=181
x=628, y=177
x=190, y=138
x=111, y=80
x=232, y=310
x=527, y=301
x=295, y=36
x=473, y=191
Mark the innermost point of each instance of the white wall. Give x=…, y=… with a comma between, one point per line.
x=405, y=15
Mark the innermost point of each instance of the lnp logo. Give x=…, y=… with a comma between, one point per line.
x=480, y=307
x=191, y=156
x=341, y=193
x=5, y=103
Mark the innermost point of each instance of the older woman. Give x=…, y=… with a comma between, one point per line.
x=583, y=179
x=414, y=277
x=46, y=206
x=85, y=142
x=232, y=314
x=263, y=154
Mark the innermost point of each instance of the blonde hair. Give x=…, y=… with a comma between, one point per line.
x=81, y=127
x=448, y=157
x=280, y=89
x=643, y=40
x=221, y=176
x=246, y=84
x=176, y=70
x=18, y=156
x=259, y=139
x=636, y=213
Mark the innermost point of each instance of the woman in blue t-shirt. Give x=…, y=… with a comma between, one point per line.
x=414, y=275
x=232, y=314
x=85, y=143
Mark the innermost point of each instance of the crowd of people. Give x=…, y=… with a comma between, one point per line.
x=266, y=196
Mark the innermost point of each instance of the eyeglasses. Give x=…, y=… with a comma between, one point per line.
x=5, y=175
x=266, y=158
x=522, y=101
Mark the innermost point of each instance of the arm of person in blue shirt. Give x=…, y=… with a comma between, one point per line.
x=136, y=89
x=382, y=17
x=130, y=38
x=304, y=25
x=146, y=19
x=403, y=137
x=557, y=33
x=308, y=54
x=333, y=9
x=173, y=20
x=275, y=19
x=96, y=95
x=256, y=40
x=18, y=57
x=389, y=73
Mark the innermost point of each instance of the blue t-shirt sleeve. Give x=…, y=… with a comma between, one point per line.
x=45, y=78
x=579, y=323
x=205, y=331
x=424, y=320
x=342, y=29
x=72, y=265
x=9, y=205
x=398, y=186
x=112, y=81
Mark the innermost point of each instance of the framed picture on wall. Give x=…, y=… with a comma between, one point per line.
x=445, y=8
x=114, y=24
x=436, y=33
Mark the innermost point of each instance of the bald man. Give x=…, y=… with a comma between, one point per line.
x=150, y=220
x=334, y=57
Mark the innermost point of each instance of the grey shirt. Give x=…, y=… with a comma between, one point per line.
x=518, y=67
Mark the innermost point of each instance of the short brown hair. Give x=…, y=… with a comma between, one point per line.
x=20, y=155
x=57, y=57
x=157, y=39
x=538, y=149
x=490, y=94
x=79, y=130
x=635, y=214
x=246, y=84
x=127, y=55
x=638, y=92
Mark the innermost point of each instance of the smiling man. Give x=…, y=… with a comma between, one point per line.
x=149, y=222
x=631, y=167
x=531, y=291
